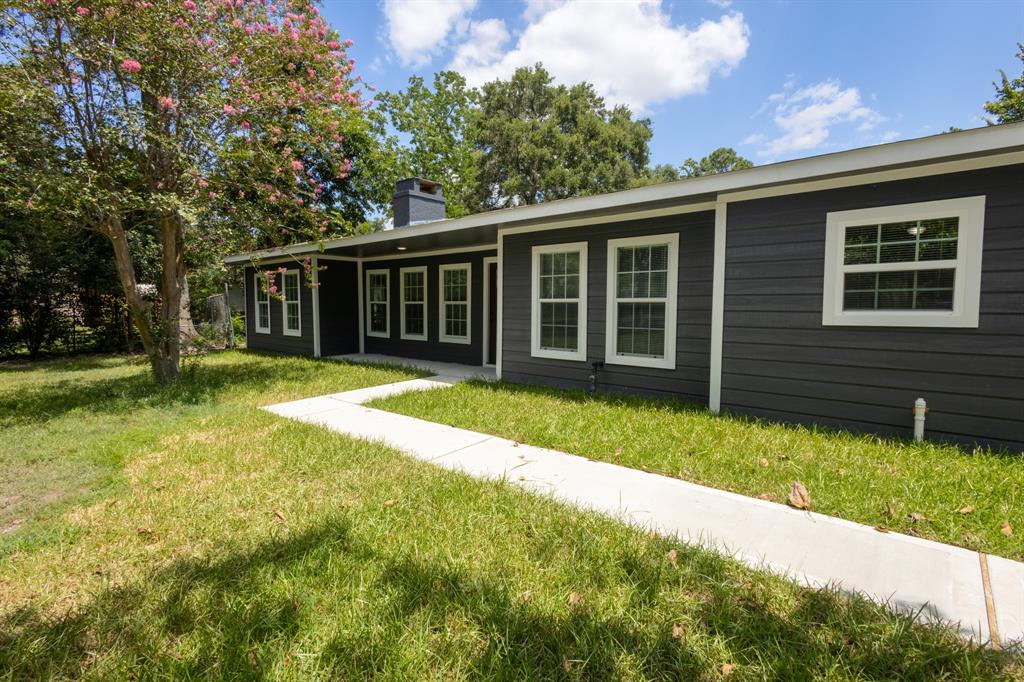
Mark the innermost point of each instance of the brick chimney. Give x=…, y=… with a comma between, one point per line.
x=417, y=200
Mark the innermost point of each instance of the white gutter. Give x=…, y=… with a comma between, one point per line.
x=975, y=142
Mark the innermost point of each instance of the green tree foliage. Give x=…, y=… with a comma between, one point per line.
x=434, y=121
x=1008, y=106
x=189, y=120
x=722, y=160
x=538, y=141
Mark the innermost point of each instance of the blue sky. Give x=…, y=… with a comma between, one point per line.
x=773, y=79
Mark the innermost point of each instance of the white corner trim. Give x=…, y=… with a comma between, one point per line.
x=421, y=269
x=256, y=303
x=966, y=285
x=386, y=334
x=501, y=296
x=442, y=337
x=316, y=308
x=671, y=302
x=717, y=309
x=285, y=302
x=488, y=285
x=580, y=354
x=360, y=306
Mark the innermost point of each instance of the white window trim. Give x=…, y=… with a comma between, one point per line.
x=441, y=336
x=284, y=302
x=386, y=334
x=672, y=289
x=402, y=302
x=580, y=354
x=967, y=283
x=257, y=290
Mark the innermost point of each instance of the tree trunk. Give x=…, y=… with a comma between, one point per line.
x=187, y=330
x=163, y=356
x=172, y=242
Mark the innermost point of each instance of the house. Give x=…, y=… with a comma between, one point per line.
x=833, y=290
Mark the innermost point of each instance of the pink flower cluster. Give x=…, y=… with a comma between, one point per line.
x=131, y=66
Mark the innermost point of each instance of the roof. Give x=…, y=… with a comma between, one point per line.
x=481, y=228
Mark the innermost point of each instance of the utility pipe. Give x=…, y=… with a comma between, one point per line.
x=920, y=409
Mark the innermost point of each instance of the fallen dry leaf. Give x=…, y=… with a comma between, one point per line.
x=799, y=498
x=279, y=515
x=522, y=478
x=1006, y=529
x=881, y=529
x=618, y=451
x=762, y=462
x=527, y=597
x=766, y=496
x=672, y=556
x=678, y=631
x=390, y=503
x=966, y=510
x=914, y=517
x=566, y=664
x=575, y=598
x=726, y=669
x=890, y=510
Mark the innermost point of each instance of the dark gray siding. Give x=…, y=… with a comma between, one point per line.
x=339, y=307
x=275, y=340
x=779, y=361
x=688, y=381
x=432, y=349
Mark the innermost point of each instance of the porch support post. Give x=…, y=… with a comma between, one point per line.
x=717, y=310
x=359, y=292
x=316, y=308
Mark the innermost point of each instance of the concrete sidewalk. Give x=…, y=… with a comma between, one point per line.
x=983, y=594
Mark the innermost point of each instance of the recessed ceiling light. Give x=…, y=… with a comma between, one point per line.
x=401, y=248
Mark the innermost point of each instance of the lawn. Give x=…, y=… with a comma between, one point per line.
x=185, y=533
x=974, y=499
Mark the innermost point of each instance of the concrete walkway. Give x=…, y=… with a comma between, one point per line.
x=983, y=594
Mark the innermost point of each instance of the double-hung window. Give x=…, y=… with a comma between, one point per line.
x=455, y=303
x=641, y=315
x=911, y=265
x=414, y=303
x=262, y=304
x=291, y=309
x=378, y=310
x=559, y=302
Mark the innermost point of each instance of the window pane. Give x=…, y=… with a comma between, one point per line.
x=624, y=288
x=558, y=326
x=625, y=260
x=937, y=250
x=899, y=290
x=546, y=263
x=900, y=252
x=572, y=286
x=572, y=263
x=378, y=317
x=414, y=319
x=902, y=242
x=641, y=329
x=861, y=235
x=414, y=289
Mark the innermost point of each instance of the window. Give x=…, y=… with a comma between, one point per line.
x=912, y=265
x=378, y=318
x=262, y=304
x=290, y=307
x=414, y=303
x=642, y=278
x=455, y=295
x=559, y=295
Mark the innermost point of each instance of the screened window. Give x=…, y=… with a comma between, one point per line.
x=414, y=303
x=559, y=301
x=378, y=312
x=908, y=265
x=642, y=300
x=262, y=304
x=455, y=300
x=290, y=307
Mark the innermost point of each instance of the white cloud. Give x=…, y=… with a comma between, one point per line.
x=483, y=46
x=805, y=117
x=418, y=29
x=630, y=51
x=720, y=3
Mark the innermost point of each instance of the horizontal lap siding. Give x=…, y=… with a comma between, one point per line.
x=779, y=361
x=689, y=380
x=339, y=307
x=432, y=349
x=276, y=340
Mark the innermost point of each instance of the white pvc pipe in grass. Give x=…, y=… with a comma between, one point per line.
x=920, y=408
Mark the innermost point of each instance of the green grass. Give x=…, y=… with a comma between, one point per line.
x=239, y=545
x=875, y=481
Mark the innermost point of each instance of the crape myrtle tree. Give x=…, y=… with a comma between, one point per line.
x=202, y=117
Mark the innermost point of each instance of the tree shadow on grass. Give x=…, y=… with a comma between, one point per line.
x=246, y=615
x=200, y=383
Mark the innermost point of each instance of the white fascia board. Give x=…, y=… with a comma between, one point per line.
x=975, y=142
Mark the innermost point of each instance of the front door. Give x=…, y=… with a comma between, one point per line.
x=492, y=312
